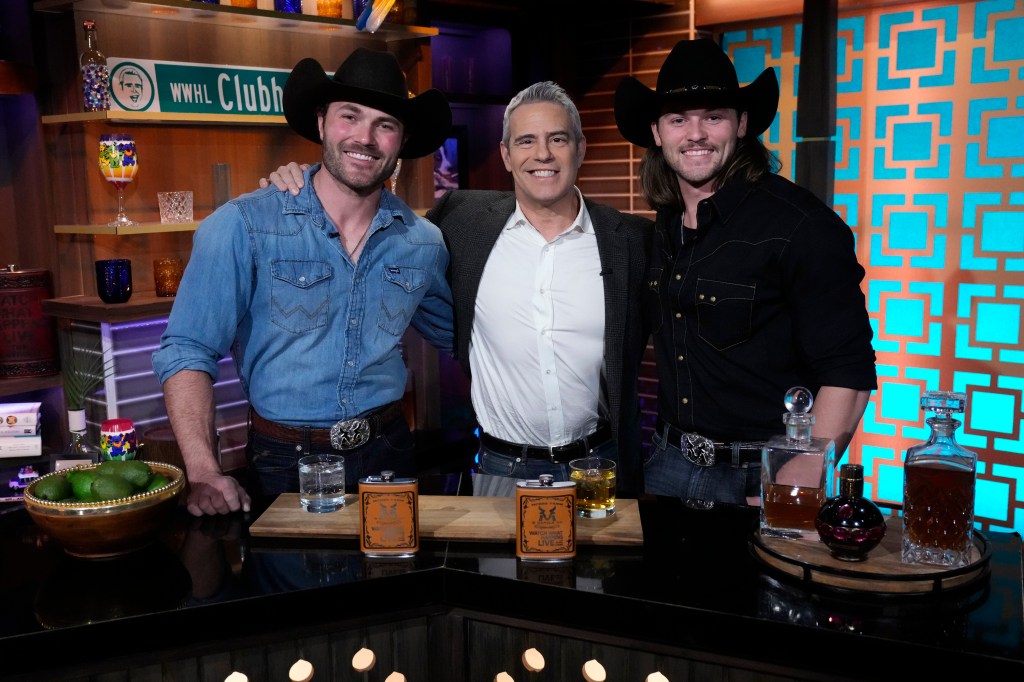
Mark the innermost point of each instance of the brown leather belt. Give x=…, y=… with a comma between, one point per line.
x=559, y=454
x=345, y=435
x=706, y=452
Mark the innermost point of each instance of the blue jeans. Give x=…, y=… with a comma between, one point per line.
x=274, y=464
x=668, y=472
x=497, y=464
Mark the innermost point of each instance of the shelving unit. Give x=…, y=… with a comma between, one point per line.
x=141, y=228
x=142, y=305
x=176, y=151
x=174, y=147
x=229, y=15
x=16, y=385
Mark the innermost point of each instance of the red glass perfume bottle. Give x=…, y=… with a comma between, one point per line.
x=850, y=524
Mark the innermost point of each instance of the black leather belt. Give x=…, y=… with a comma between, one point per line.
x=558, y=454
x=345, y=435
x=706, y=452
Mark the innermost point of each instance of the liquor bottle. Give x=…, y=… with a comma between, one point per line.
x=938, y=489
x=796, y=472
x=850, y=524
x=79, y=447
x=95, y=78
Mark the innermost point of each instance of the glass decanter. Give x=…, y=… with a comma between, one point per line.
x=849, y=524
x=938, y=489
x=796, y=472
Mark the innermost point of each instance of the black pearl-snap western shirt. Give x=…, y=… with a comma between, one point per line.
x=764, y=295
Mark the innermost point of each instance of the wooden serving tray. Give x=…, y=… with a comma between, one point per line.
x=444, y=517
x=881, y=572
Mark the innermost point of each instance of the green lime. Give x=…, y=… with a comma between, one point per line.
x=53, y=488
x=158, y=481
x=111, y=488
x=81, y=484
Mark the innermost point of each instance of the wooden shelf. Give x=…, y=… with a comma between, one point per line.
x=187, y=10
x=141, y=228
x=15, y=385
x=142, y=305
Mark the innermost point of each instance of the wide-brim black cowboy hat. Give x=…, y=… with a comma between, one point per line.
x=697, y=73
x=374, y=79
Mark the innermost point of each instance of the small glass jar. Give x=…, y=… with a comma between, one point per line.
x=167, y=275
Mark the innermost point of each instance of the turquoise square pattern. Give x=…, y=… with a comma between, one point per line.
x=929, y=165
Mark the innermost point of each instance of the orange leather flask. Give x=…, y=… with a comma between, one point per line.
x=389, y=512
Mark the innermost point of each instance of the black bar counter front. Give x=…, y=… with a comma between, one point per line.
x=692, y=602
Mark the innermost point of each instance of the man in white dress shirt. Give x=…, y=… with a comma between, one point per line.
x=546, y=287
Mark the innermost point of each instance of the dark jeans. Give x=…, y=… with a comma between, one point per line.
x=668, y=472
x=274, y=464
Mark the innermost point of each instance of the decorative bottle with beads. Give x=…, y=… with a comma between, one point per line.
x=938, y=489
x=95, y=77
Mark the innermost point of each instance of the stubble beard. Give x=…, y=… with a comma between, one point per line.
x=334, y=162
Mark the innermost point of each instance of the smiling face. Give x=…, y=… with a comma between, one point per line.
x=360, y=145
x=542, y=156
x=133, y=86
x=697, y=143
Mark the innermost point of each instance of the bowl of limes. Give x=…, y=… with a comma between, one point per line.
x=105, y=509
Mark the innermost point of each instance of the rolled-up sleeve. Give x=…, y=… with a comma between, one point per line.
x=213, y=298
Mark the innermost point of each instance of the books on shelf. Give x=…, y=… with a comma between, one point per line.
x=27, y=430
x=17, y=420
x=19, y=414
x=21, y=446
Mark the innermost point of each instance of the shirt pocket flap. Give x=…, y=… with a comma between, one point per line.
x=302, y=274
x=408, y=278
x=714, y=292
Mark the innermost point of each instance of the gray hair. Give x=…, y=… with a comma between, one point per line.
x=546, y=91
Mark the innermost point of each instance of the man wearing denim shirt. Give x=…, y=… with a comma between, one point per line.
x=753, y=282
x=312, y=293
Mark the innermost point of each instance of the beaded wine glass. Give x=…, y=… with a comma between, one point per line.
x=119, y=162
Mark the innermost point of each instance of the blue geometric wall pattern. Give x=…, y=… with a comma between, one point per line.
x=929, y=175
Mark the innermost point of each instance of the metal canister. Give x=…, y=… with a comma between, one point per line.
x=28, y=338
x=389, y=509
x=545, y=519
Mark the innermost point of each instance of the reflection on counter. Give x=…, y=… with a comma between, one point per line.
x=81, y=591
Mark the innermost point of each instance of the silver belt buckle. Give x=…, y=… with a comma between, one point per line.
x=350, y=433
x=699, y=450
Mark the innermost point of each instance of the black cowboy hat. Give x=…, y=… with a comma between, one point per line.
x=699, y=73
x=374, y=79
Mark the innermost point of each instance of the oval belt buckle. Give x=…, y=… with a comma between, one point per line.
x=699, y=450
x=350, y=433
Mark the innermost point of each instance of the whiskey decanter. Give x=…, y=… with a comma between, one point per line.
x=938, y=489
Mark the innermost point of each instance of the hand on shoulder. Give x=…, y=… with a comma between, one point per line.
x=287, y=178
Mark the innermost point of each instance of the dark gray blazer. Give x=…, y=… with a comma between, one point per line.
x=471, y=221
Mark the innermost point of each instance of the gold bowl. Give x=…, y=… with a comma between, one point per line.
x=110, y=528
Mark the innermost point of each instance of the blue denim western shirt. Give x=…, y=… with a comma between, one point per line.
x=314, y=336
